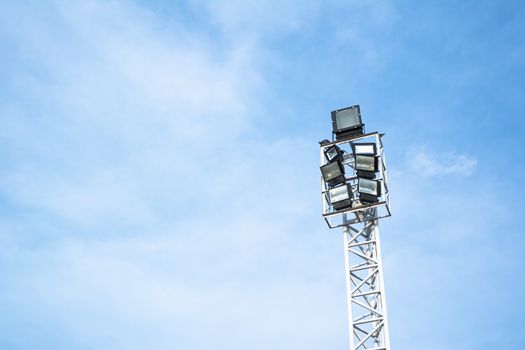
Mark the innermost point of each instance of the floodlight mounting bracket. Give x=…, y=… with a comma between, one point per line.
x=381, y=209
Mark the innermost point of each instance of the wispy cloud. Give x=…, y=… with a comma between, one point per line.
x=142, y=204
x=118, y=113
x=144, y=210
x=430, y=164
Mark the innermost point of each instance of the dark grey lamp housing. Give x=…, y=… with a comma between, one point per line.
x=333, y=173
x=333, y=153
x=347, y=122
x=340, y=197
x=369, y=190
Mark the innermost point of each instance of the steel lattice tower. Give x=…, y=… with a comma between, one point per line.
x=365, y=294
x=367, y=314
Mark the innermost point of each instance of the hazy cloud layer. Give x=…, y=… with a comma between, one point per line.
x=429, y=164
x=159, y=181
x=151, y=213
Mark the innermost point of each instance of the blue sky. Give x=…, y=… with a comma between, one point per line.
x=159, y=182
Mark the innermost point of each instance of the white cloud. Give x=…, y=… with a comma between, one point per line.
x=125, y=114
x=429, y=164
x=141, y=213
x=437, y=246
x=150, y=289
x=250, y=20
x=361, y=26
x=147, y=211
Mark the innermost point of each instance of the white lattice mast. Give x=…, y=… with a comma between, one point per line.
x=354, y=197
x=367, y=315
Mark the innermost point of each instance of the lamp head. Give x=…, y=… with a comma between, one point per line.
x=340, y=197
x=365, y=148
x=369, y=190
x=333, y=173
x=366, y=166
x=333, y=153
x=347, y=122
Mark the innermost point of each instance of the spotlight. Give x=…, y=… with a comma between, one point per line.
x=333, y=153
x=369, y=190
x=340, y=197
x=366, y=163
x=347, y=122
x=365, y=148
x=333, y=173
x=366, y=166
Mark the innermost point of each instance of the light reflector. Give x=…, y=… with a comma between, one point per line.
x=340, y=197
x=333, y=153
x=368, y=186
x=366, y=165
x=367, y=148
x=333, y=173
x=369, y=190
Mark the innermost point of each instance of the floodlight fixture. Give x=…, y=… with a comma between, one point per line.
x=347, y=122
x=333, y=153
x=333, y=173
x=369, y=190
x=364, y=148
x=366, y=166
x=356, y=202
x=340, y=197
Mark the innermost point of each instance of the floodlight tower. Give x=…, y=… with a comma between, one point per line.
x=355, y=196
